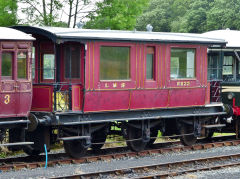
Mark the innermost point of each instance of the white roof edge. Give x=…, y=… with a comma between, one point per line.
x=61, y=32
x=232, y=37
x=12, y=34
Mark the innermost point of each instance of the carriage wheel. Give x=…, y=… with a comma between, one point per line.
x=187, y=140
x=209, y=134
x=75, y=148
x=133, y=134
x=98, y=136
x=154, y=133
x=31, y=151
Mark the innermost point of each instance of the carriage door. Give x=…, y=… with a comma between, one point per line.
x=8, y=85
x=47, y=63
x=23, y=82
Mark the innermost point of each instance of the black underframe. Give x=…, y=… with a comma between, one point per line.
x=58, y=119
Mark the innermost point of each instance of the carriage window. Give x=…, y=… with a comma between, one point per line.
x=7, y=60
x=72, y=62
x=33, y=62
x=228, y=65
x=150, y=63
x=48, y=66
x=214, y=66
x=114, y=63
x=182, y=63
x=22, y=65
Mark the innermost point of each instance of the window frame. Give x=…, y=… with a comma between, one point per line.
x=95, y=67
x=129, y=67
x=152, y=83
x=233, y=65
x=13, y=77
x=27, y=65
x=184, y=78
x=201, y=68
x=42, y=68
x=80, y=68
x=33, y=65
x=153, y=64
x=215, y=57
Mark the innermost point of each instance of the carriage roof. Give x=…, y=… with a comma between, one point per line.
x=231, y=36
x=71, y=34
x=12, y=34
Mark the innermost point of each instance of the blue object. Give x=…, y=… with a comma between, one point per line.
x=45, y=146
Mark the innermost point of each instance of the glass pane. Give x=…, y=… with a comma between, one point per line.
x=72, y=62
x=214, y=66
x=22, y=65
x=149, y=71
x=48, y=66
x=228, y=65
x=33, y=62
x=114, y=63
x=182, y=63
x=7, y=58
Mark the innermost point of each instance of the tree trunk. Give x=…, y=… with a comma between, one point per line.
x=45, y=20
x=75, y=15
x=70, y=12
x=50, y=13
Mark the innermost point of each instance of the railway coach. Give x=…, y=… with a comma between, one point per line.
x=86, y=81
x=224, y=74
x=15, y=84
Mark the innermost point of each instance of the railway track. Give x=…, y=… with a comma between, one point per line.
x=164, y=170
x=109, y=154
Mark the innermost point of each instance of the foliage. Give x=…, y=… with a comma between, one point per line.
x=41, y=12
x=61, y=13
x=195, y=16
x=116, y=14
x=224, y=14
x=8, y=11
x=158, y=15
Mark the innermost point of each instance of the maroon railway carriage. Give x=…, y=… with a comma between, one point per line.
x=85, y=81
x=15, y=82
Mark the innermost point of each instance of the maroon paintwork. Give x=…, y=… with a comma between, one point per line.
x=16, y=94
x=136, y=93
x=139, y=93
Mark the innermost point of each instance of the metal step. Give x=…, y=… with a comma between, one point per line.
x=214, y=126
x=17, y=143
x=75, y=138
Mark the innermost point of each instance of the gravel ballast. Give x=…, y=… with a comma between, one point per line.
x=130, y=162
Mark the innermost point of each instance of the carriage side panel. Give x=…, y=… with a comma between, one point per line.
x=139, y=92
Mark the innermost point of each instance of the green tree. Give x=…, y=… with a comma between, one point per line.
x=41, y=12
x=8, y=11
x=224, y=14
x=158, y=14
x=195, y=18
x=64, y=13
x=163, y=15
x=116, y=14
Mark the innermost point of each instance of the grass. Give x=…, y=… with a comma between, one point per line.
x=222, y=134
x=4, y=152
x=112, y=138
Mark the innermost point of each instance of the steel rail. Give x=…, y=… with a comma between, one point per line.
x=31, y=165
x=161, y=168
x=108, y=150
